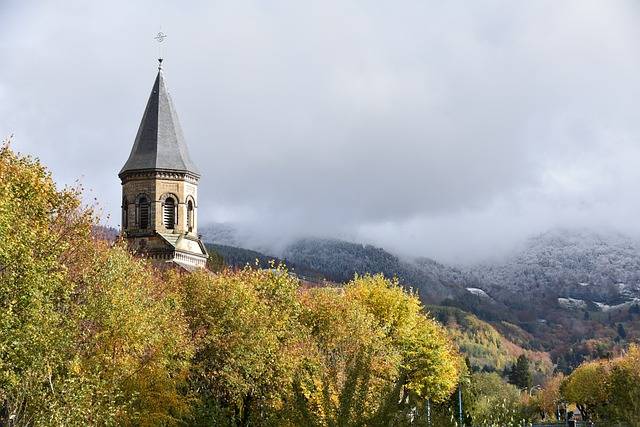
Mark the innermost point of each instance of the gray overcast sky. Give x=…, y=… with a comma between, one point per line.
x=441, y=128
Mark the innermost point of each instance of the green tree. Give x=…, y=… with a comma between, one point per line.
x=498, y=403
x=216, y=261
x=622, y=333
x=520, y=374
x=562, y=366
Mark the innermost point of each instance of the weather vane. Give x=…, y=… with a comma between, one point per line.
x=160, y=37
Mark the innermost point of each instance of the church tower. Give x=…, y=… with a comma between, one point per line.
x=160, y=188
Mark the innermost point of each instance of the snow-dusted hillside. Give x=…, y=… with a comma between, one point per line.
x=221, y=234
x=570, y=264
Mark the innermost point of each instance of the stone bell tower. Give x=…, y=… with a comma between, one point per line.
x=160, y=188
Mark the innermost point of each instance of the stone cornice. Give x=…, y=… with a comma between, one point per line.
x=169, y=175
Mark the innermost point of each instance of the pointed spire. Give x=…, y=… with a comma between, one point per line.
x=160, y=144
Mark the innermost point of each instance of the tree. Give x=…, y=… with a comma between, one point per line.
x=497, y=402
x=38, y=225
x=247, y=344
x=87, y=335
x=549, y=396
x=622, y=333
x=520, y=374
x=584, y=387
x=562, y=366
x=216, y=261
x=134, y=353
x=607, y=391
x=431, y=364
x=377, y=355
x=351, y=368
x=623, y=384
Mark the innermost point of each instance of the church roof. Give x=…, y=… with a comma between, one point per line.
x=159, y=144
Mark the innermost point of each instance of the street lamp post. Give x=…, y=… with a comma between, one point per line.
x=536, y=387
x=460, y=403
x=468, y=378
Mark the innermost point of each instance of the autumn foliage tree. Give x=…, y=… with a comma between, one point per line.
x=38, y=226
x=624, y=388
x=607, y=390
x=548, y=397
x=132, y=348
x=87, y=334
x=375, y=354
x=267, y=353
x=247, y=342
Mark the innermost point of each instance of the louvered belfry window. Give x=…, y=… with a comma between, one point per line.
x=190, y=216
x=169, y=213
x=144, y=213
x=125, y=214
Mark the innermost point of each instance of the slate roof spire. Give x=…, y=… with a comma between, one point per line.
x=160, y=144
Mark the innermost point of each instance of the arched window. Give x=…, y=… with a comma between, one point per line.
x=190, y=215
x=143, y=213
x=125, y=213
x=169, y=213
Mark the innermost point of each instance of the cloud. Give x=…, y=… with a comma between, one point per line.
x=417, y=126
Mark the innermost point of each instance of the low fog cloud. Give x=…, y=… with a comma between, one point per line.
x=450, y=130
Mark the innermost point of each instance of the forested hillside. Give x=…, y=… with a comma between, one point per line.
x=340, y=261
x=491, y=348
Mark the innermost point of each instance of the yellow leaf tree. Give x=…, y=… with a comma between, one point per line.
x=377, y=355
x=87, y=335
x=247, y=344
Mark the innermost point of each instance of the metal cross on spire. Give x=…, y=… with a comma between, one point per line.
x=160, y=37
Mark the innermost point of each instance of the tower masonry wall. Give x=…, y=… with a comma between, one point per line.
x=158, y=190
x=184, y=191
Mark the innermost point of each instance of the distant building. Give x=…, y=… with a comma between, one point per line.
x=160, y=188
